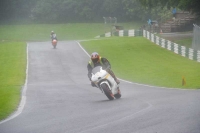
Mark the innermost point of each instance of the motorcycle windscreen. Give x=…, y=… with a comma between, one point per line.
x=96, y=69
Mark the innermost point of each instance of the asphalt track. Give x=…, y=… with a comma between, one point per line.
x=59, y=99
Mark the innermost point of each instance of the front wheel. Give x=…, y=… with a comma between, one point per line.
x=107, y=91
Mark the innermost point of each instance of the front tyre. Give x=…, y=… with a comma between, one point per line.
x=107, y=91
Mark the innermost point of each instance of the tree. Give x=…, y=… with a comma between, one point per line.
x=190, y=5
x=51, y=11
x=186, y=5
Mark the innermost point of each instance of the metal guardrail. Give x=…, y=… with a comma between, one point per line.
x=192, y=54
x=196, y=37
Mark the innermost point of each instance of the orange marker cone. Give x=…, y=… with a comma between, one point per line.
x=183, y=81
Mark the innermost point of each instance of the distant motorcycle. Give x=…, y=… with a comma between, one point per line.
x=54, y=43
x=106, y=83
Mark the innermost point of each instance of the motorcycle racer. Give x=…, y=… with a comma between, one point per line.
x=97, y=60
x=53, y=35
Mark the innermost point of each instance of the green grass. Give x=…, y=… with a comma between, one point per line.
x=181, y=40
x=13, y=53
x=41, y=32
x=138, y=60
x=135, y=59
x=185, y=42
x=12, y=75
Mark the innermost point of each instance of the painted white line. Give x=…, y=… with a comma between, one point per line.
x=88, y=40
x=83, y=48
x=23, y=93
x=147, y=85
x=130, y=81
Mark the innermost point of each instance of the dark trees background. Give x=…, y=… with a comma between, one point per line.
x=63, y=11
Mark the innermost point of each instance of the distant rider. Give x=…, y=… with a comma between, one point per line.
x=96, y=60
x=53, y=36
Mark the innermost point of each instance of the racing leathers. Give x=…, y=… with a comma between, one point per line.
x=105, y=65
x=53, y=36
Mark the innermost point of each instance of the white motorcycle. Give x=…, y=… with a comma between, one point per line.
x=106, y=83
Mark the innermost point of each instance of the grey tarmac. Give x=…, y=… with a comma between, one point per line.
x=60, y=99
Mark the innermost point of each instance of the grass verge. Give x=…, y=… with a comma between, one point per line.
x=138, y=60
x=12, y=75
x=13, y=53
x=41, y=32
x=185, y=42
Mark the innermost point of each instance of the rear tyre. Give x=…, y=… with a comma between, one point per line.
x=54, y=43
x=107, y=91
x=118, y=95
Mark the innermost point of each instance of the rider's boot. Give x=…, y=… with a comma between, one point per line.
x=118, y=90
x=117, y=81
x=113, y=75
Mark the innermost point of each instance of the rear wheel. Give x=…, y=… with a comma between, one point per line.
x=54, y=43
x=118, y=95
x=107, y=91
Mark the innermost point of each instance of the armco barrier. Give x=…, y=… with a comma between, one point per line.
x=123, y=33
x=128, y=33
x=176, y=48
